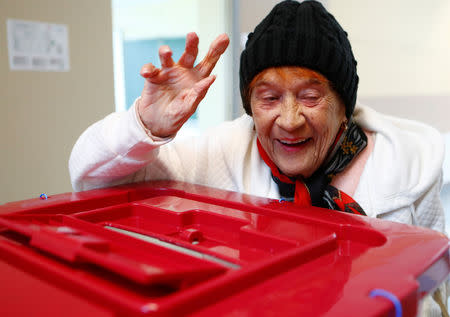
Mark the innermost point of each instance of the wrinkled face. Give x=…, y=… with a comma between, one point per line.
x=297, y=116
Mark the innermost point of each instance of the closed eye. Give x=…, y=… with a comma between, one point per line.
x=271, y=98
x=310, y=96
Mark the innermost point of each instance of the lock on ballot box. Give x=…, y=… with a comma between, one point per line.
x=175, y=249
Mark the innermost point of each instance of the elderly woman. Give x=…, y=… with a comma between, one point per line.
x=301, y=139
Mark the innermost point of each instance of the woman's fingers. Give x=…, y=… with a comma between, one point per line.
x=165, y=56
x=190, y=53
x=149, y=70
x=216, y=49
x=187, y=60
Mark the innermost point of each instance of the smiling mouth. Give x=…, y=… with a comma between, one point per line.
x=294, y=143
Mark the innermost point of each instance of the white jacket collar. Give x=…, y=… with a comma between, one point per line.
x=406, y=161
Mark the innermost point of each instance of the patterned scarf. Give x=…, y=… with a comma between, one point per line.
x=316, y=190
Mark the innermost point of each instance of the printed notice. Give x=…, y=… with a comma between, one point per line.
x=37, y=46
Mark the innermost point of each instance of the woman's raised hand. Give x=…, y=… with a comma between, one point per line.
x=172, y=93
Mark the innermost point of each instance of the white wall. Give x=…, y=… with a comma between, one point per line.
x=402, y=49
x=402, y=46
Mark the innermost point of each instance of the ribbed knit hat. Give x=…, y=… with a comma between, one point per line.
x=306, y=35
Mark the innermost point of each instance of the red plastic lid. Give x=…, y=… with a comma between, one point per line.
x=171, y=249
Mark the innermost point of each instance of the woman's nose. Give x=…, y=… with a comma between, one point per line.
x=291, y=116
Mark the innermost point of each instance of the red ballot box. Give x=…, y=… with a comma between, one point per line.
x=175, y=249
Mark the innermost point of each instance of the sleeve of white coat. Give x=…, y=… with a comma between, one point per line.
x=112, y=151
x=429, y=211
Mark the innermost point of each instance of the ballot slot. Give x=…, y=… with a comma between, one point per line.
x=175, y=247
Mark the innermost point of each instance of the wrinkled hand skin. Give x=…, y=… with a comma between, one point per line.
x=172, y=93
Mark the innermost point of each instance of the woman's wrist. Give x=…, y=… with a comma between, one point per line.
x=144, y=127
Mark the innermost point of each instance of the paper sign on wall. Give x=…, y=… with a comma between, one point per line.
x=37, y=46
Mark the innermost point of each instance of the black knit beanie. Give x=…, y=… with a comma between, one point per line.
x=306, y=35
